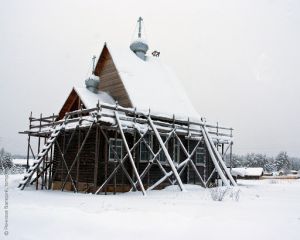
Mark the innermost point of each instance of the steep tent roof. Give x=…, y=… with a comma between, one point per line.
x=145, y=84
x=150, y=84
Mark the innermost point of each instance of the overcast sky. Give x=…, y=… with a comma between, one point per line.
x=238, y=60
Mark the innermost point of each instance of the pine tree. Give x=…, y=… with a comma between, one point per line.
x=282, y=161
x=256, y=160
x=237, y=161
x=5, y=160
x=270, y=165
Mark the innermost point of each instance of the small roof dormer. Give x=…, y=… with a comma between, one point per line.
x=139, y=43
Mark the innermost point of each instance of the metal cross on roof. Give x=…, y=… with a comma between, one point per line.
x=94, y=60
x=140, y=27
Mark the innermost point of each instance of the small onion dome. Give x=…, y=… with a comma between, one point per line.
x=140, y=48
x=139, y=44
x=92, y=83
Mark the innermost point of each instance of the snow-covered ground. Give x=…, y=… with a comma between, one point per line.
x=267, y=209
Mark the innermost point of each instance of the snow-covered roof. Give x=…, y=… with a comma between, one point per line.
x=152, y=84
x=243, y=172
x=90, y=99
x=22, y=161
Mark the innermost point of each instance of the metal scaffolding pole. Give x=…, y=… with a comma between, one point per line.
x=218, y=168
x=166, y=153
x=129, y=154
x=220, y=159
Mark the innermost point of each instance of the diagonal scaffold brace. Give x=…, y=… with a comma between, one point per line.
x=189, y=159
x=120, y=165
x=155, y=159
x=218, y=156
x=169, y=159
x=129, y=154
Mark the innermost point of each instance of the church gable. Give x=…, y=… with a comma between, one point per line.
x=72, y=103
x=110, y=80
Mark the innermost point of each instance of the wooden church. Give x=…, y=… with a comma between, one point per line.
x=131, y=128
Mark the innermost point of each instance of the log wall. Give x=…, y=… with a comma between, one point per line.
x=84, y=170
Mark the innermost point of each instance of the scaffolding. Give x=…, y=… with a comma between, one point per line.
x=125, y=120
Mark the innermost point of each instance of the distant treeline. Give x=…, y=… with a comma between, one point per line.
x=6, y=164
x=282, y=162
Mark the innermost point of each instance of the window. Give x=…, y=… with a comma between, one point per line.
x=162, y=157
x=200, y=156
x=145, y=154
x=117, y=145
x=177, y=152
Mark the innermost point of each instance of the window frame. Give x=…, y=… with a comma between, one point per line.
x=164, y=162
x=150, y=143
x=112, y=143
x=203, y=153
x=177, y=152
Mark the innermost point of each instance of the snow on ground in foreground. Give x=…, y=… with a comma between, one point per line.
x=267, y=209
